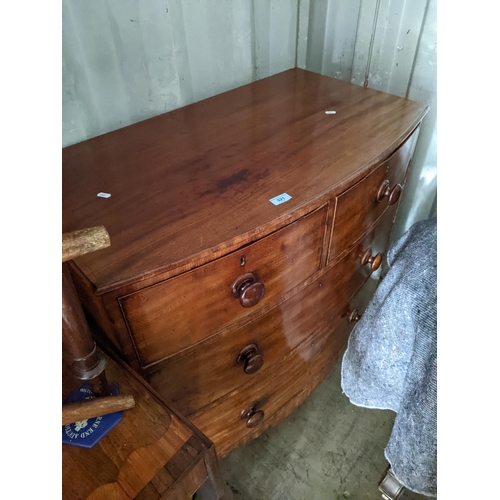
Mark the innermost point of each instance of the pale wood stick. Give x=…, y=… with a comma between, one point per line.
x=91, y=408
x=84, y=241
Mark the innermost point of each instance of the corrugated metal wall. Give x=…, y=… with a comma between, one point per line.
x=386, y=45
x=128, y=60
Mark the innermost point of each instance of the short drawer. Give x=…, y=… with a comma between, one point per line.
x=168, y=317
x=359, y=207
x=206, y=372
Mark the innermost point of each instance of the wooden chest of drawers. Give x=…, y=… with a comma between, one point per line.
x=233, y=307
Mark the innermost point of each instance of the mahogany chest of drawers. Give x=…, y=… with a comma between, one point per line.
x=244, y=229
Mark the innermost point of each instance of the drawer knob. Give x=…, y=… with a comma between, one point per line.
x=251, y=357
x=386, y=191
x=374, y=261
x=248, y=290
x=253, y=416
x=354, y=316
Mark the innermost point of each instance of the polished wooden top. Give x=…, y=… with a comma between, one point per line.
x=195, y=183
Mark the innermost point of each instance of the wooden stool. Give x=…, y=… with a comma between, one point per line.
x=87, y=363
x=153, y=452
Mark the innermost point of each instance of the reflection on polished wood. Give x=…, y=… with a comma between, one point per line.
x=233, y=308
x=195, y=183
x=196, y=304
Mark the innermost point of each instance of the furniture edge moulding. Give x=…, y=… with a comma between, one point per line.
x=286, y=218
x=105, y=309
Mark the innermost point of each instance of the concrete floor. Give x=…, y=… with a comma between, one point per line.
x=327, y=449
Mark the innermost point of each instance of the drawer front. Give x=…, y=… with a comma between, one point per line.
x=356, y=306
x=244, y=413
x=360, y=206
x=211, y=369
x=206, y=372
x=171, y=316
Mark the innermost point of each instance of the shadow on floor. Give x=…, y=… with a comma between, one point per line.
x=327, y=449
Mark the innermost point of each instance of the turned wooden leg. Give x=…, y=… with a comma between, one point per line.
x=88, y=363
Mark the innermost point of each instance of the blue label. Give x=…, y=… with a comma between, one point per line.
x=87, y=433
x=278, y=200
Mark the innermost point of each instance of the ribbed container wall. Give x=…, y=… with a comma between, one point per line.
x=128, y=60
x=386, y=45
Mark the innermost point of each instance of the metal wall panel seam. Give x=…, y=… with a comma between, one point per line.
x=372, y=40
x=418, y=48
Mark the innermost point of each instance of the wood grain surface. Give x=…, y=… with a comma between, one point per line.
x=208, y=370
x=83, y=410
x=269, y=392
x=357, y=209
x=166, y=318
x=152, y=453
x=191, y=219
x=319, y=333
x=318, y=372
x=196, y=182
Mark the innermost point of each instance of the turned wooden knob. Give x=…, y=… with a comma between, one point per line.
x=253, y=416
x=354, y=316
x=374, y=261
x=251, y=357
x=386, y=191
x=248, y=290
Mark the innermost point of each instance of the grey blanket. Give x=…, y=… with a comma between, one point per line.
x=391, y=358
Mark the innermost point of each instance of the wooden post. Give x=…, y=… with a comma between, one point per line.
x=88, y=363
x=84, y=241
x=83, y=410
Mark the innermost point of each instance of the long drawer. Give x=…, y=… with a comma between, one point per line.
x=358, y=208
x=207, y=371
x=349, y=315
x=166, y=318
x=234, y=417
x=244, y=412
x=213, y=368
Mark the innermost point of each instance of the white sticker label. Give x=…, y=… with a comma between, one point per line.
x=103, y=195
x=278, y=200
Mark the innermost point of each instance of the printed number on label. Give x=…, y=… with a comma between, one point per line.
x=277, y=200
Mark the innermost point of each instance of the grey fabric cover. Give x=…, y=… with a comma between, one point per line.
x=391, y=358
